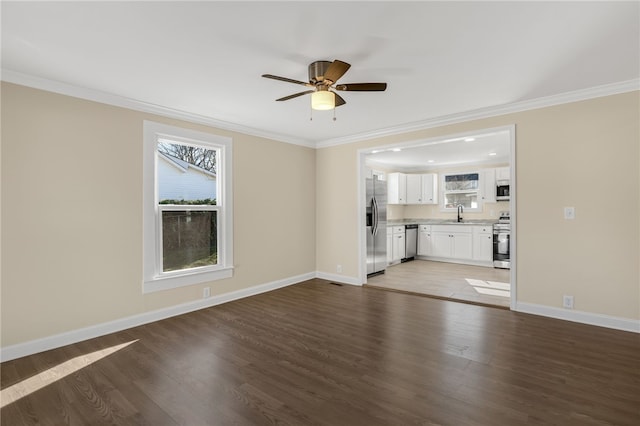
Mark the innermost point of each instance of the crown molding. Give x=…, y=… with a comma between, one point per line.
x=121, y=101
x=547, y=101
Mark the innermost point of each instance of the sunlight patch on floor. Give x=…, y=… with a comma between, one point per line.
x=39, y=381
x=492, y=288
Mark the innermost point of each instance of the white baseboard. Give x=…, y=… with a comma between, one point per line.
x=343, y=279
x=625, y=324
x=51, y=342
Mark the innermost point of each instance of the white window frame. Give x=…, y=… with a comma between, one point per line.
x=444, y=192
x=154, y=278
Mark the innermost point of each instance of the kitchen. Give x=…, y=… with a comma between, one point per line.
x=442, y=210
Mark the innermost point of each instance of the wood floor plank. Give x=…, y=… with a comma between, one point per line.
x=449, y=281
x=321, y=354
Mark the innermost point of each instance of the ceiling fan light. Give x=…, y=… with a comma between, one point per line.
x=323, y=100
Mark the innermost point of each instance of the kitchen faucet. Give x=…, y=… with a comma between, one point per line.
x=460, y=210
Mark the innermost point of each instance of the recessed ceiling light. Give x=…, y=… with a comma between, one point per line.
x=375, y=151
x=430, y=161
x=396, y=149
x=469, y=139
x=492, y=153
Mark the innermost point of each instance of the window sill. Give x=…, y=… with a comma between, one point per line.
x=175, y=281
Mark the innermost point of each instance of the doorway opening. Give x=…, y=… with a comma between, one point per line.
x=456, y=189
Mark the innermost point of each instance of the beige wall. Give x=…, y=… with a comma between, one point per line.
x=72, y=214
x=584, y=154
x=72, y=209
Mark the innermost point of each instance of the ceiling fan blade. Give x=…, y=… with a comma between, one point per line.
x=295, y=95
x=336, y=70
x=362, y=87
x=288, y=80
x=339, y=100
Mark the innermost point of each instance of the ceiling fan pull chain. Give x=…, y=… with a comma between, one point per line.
x=334, y=113
x=310, y=114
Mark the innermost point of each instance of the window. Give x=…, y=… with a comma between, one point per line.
x=187, y=207
x=461, y=189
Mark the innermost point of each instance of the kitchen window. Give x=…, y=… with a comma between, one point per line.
x=461, y=189
x=187, y=208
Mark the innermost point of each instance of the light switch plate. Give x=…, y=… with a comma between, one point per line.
x=569, y=213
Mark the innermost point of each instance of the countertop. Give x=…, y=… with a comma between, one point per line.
x=477, y=222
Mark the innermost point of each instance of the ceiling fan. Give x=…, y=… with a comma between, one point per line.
x=323, y=76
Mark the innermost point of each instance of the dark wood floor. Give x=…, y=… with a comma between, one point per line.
x=321, y=354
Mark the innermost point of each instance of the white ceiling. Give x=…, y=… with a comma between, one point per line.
x=439, y=59
x=478, y=149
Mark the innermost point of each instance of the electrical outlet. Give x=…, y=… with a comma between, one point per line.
x=339, y=269
x=567, y=302
x=569, y=213
x=206, y=292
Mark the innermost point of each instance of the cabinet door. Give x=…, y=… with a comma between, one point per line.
x=462, y=246
x=440, y=244
x=488, y=183
x=396, y=188
x=389, y=248
x=483, y=247
x=414, y=189
x=399, y=248
x=503, y=173
x=430, y=188
x=424, y=243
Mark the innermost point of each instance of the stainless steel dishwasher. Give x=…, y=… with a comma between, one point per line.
x=411, y=242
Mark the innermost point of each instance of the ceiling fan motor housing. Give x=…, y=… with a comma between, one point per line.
x=317, y=71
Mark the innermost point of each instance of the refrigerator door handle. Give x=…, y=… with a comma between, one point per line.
x=373, y=215
x=374, y=231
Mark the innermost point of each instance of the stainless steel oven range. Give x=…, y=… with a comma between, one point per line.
x=502, y=241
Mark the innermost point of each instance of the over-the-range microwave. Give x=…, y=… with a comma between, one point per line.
x=502, y=190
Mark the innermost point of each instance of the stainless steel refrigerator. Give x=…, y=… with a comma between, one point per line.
x=376, y=203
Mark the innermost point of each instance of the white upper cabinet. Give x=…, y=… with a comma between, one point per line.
x=414, y=189
x=430, y=188
x=422, y=188
x=503, y=173
x=488, y=184
x=396, y=188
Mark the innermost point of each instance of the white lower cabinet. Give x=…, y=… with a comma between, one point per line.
x=396, y=248
x=466, y=244
x=424, y=240
x=483, y=243
x=399, y=247
x=441, y=243
x=452, y=241
x=462, y=245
